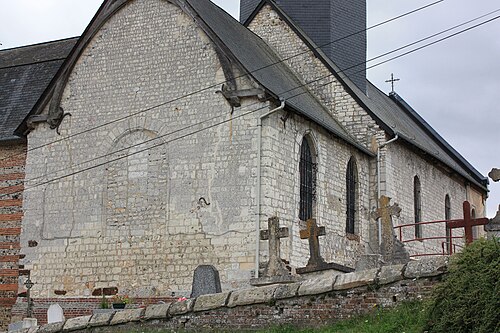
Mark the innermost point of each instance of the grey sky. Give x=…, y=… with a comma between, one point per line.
x=453, y=84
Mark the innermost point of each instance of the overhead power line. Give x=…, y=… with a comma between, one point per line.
x=229, y=119
x=220, y=83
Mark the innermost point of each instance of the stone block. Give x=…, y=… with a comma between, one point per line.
x=126, y=316
x=210, y=302
x=51, y=328
x=157, y=311
x=287, y=290
x=182, y=307
x=319, y=285
x=101, y=319
x=251, y=296
x=390, y=274
x=355, y=279
x=77, y=323
x=426, y=267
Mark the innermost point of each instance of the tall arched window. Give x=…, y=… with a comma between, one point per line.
x=351, y=196
x=307, y=170
x=447, y=216
x=417, y=204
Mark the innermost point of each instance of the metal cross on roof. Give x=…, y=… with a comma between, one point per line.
x=392, y=80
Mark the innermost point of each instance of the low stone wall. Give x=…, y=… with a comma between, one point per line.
x=312, y=303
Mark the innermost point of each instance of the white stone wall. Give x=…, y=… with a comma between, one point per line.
x=137, y=222
x=402, y=165
x=281, y=191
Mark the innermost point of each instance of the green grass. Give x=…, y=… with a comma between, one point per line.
x=409, y=317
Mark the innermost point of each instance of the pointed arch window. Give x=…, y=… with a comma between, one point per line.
x=475, y=233
x=351, y=196
x=307, y=169
x=417, y=204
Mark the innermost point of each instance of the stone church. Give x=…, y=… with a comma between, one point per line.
x=171, y=133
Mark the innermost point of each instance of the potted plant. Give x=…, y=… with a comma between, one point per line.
x=120, y=301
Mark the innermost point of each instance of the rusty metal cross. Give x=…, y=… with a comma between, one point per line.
x=467, y=223
x=275, y=266
x=312, y=233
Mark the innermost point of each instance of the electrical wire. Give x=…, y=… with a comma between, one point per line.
x=220, y=83
x=236, y=117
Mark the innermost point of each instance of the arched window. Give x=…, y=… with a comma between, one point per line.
x=417, y=204
x=351, y=196
x=307, y=170
x=447, y=216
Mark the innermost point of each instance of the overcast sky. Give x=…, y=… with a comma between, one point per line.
x=453, y=84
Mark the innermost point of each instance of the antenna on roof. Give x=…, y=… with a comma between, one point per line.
x=392, y=80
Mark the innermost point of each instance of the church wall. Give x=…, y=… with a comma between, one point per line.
x=402, y=165
x=287, y=44
x=281, y=190
x=342, y=106
x=153, y=211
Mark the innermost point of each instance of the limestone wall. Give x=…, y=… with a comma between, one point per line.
x=402, y=165
x=160, y=200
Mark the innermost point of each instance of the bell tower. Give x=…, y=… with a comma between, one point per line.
x=336, y=26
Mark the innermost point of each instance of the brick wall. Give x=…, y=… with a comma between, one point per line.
x=12, y=160
x=309, y=303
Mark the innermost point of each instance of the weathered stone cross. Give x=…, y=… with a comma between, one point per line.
x=275, y=266
x=385, y=213
x=467, y=223
x=312, y=233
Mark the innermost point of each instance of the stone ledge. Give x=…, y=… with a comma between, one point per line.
x=390, y=274
x=426, y=267
x=101, y=319
x=287, y=290
x=126, y=316
x=181, y=307
x=211, y=302
x=355, y=279
x=157, y=311
x=51, y=328
x=319, y=285
x=251, y=296
x=77, y=323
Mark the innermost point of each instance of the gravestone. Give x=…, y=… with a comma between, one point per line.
x=206, y=281
x=392, y=249
x=55, y=314
x=316, y=262
x=275, y=271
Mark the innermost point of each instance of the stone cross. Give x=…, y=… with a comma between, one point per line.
x=467, y=223
x=275, y=266
x=385, y=213
x=55, y=314
x=312, y=233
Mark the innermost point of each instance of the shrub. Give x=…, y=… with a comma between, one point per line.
x=468, y=300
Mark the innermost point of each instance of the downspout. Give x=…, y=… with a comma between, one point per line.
x=379, y=224
x=257, y=190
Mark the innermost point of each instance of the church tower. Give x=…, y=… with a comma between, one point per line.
x=336, y=26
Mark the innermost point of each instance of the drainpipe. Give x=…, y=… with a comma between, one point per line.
x=257, y=191
x=379, y=224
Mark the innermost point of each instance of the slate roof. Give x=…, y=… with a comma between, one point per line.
x=253, y=53
x=25, y=72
